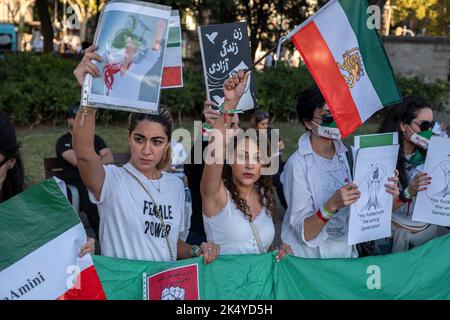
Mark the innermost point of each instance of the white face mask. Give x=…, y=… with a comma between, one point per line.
x=421, y=139
x=328, y=132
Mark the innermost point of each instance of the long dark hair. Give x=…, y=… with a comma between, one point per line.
x=405, y=112
x=264, y=183
x=164, y=118
x=15, y=178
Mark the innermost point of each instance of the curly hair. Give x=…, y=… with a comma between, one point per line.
x=264, y=184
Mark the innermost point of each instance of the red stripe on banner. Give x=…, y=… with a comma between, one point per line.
x=88, y=287
x=320, y=62
x=171, y=77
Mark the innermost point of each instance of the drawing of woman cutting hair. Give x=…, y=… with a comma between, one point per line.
x=129, y=57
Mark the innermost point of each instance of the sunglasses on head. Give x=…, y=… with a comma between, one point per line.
x=424, y=125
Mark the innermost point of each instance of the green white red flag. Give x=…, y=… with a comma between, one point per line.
x=173, y=65
x=40, y=238
x=346, y=57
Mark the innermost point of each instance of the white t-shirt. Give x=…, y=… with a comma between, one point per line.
x=232, y=231
x=308, y=182
x=128, y=85
x=128, y=227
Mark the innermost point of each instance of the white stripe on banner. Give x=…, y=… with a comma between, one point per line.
x=339, y=36
x=173, y=57
x=47, y=272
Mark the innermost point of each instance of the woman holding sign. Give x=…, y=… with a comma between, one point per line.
x=413, y=120
x=238, y=201
x=317, y=185
x=141, y=207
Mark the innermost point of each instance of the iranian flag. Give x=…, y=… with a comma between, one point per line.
x=40, y=238
x=173, y=70
x=346, y=57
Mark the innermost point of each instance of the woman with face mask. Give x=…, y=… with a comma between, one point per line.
x=413, y=120
x=317, y=186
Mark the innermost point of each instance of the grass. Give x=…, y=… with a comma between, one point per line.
x=39, y=143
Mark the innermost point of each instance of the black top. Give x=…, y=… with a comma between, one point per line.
x=65, y=143
x=194, y=174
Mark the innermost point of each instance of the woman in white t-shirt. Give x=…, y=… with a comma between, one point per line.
x=317, y=186
x=141, y=207
x=237, y=200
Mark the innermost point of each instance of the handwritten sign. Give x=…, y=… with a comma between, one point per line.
x=225, y=49
x=370, y=216
x=433, y=205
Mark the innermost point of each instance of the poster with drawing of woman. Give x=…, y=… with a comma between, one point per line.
x=433, y=204
x=131, y=39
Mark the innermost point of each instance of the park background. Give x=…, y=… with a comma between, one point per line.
x=37, y=85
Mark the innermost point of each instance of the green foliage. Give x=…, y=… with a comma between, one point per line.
x=189, y=99
x=277, y=89
x=40, y=87
x=36, y=87
x=438, y=92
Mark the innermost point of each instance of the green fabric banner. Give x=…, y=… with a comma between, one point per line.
x=421, y=273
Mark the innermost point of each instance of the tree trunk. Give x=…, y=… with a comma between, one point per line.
x=46, y=24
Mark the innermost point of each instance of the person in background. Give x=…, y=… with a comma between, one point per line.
x=440, y=129
x=261, y=120
x=12, y=177
x=69, y=164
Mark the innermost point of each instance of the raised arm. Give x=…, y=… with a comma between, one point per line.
x=89, y=162
x=212, y=188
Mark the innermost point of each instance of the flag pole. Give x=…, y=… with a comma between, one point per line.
x=287, y=37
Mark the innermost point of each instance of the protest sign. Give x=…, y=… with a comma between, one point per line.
x=225, y=49
x=433, y=205
x=370, y=216
x=131, y=38
x=180, y=283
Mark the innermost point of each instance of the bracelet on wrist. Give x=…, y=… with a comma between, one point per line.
x=321, y=216
x=408, y=195
x=326, y=213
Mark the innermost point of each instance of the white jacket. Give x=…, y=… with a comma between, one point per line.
x=302, y=193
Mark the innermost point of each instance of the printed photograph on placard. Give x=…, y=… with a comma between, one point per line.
x=132, y=39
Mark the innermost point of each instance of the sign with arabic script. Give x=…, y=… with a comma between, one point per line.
x=225, y=49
